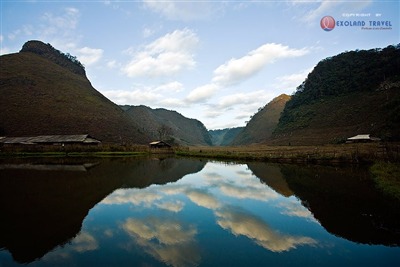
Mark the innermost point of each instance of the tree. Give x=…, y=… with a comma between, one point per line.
x=164, y=132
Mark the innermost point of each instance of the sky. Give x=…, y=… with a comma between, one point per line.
x=215, y=61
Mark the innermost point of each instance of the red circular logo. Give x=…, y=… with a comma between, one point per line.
x=327, y=23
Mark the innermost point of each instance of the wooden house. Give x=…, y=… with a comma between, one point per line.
x=159, y=144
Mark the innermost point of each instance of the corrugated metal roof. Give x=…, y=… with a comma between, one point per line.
x=79, y=138
x=155, y=142
x=360, y=137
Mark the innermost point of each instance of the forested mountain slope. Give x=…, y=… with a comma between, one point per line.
x=352, y=93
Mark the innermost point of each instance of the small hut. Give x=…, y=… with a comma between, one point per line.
x=159, y=144
x=81, y=139
x=362, y=138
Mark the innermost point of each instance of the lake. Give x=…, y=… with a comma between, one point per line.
x=192, y=212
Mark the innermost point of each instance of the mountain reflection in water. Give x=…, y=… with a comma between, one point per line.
x=42, y=209
x=189, y=212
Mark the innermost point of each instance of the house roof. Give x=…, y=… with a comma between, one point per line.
x=359, y=137
x=79, y=138
x=159, y=143
x=363, y=137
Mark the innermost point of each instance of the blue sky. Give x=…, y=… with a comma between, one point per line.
x=216, y=61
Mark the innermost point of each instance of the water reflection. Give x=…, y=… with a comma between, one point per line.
x=42, y=209
x=345, y=202
x=166, y=239
x=183, y=212
x=241, y=223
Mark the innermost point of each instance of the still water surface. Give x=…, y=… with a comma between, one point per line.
x=190, y=212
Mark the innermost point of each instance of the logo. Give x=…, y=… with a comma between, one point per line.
x=327, y=23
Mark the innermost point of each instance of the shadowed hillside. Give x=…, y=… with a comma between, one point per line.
x=355, y=92
x=263, y=123
x=45, y=92
x=184, y=131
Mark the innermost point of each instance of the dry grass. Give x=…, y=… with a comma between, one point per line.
x=363, y=152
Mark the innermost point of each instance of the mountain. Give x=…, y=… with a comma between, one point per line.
x=263, y=123
x=223, y=137
x=46, y=92
x=185, y=131
x=356, y=92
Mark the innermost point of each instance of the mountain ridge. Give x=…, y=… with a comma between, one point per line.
x=263, y=123
x=185, y=131
x=356, y=92
x=43, y=97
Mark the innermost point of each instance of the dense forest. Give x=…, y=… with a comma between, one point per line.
x=354, y=71
x=356, y=92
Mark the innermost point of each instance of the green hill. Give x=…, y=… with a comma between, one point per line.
x=263, y=123
x=185, y=131
x=355, y=92
x=223, y=137
x=45, y=92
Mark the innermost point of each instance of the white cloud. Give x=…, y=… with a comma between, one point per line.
x=212, y=113
x=89, y=56
x=262, y=194
x=171, y=206
x=326, y=7
x=4, y=50
x=148, y=95
x=134, y=196
x=84, y=242
x=244, y=99
x=240, y=223
x=289, y=83
x=202, y=93
x=166, y=231
x=172, y=87
x=60, y=25
x=136, y=97
x=167, y=240
x=13, y=35
x=203, y=199
x=168, y=55
x=147, y=32
x=172, y=103
x=185, y=10
x=237, y=70
x=294, y=208
x=112, y=64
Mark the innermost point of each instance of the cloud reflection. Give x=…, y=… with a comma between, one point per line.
x=167, y=240
x=82, y=243
x=295, y=209
x=134, y=196
x=203, y=198
x=241, y=223
x=171, y=206
x=244, y=186
x=232, y=190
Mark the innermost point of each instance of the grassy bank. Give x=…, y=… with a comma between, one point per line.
x=386, y=176
x=71, y=154
x=346, y=153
